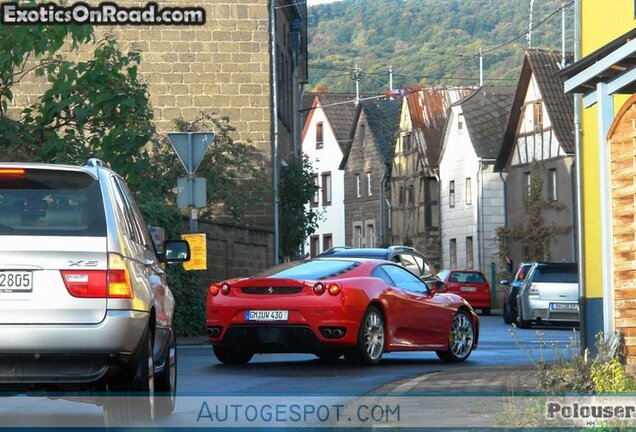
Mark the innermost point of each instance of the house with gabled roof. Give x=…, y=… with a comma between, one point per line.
x=325, y=137
x=367, y=171
x=537, y=157
x=472, y=194
x=414, y=183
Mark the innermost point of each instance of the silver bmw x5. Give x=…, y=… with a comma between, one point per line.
x=84, y=302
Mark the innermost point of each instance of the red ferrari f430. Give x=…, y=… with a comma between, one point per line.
x=358, y=308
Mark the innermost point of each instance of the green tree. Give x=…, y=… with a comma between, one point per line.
x=297, y=187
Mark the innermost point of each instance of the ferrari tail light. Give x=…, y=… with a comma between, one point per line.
x=335, y=288
x=214, y=289
x=319, y=288
x=118, y=279
x=225, y=289
x=11, y=171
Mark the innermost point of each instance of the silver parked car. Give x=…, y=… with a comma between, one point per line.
x=549, y=293
x=84, y=303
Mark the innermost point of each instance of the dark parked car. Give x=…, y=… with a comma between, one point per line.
x=407, y=256
x=510, y=312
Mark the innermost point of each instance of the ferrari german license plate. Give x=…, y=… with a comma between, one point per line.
x=266, y=315
x=16, y=281
x=468, y=289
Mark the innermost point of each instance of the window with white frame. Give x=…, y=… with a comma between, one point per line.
x=369, y=187
x=451, y=193
x=552, y=185
x=358, y=186
x=326, y=188
x=469, y=191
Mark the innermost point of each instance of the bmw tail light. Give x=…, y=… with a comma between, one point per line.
x=214, y=289
x=319, y=288
x=85, y=283
x=118, y=279
x=534, y=290
x=225, y=289
x=335, y=288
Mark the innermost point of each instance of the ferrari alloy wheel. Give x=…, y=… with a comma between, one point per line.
x=370, y=344
x=461, y=339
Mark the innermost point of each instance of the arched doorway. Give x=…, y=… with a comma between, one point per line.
x=622, y=141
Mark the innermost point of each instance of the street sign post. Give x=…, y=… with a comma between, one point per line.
x=190, y=148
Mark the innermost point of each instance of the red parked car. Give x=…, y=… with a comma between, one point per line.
x=469, y=284
x=329, y=307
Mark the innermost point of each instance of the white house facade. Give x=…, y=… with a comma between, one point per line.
x=472, y=194
x=320, y=144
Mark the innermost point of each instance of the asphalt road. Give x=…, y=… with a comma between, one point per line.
x=297, y=377
x=306, y=375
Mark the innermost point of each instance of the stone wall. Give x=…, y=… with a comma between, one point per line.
x=235, y=251
x=222, y=66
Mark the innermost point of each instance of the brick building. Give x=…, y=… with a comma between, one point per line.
x=222, y=66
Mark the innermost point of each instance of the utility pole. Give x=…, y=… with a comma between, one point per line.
x=530, y=25
x=481, y=68
x=563, y=34
x=356, y=75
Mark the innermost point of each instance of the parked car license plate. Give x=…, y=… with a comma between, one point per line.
x=266, y=315
x=14, y=281
x=574, y=307
x=468, y=289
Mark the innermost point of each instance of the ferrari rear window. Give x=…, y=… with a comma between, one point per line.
x=316, y=270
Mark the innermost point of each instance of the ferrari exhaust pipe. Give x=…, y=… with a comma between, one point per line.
x=214, y=332
x=337, y=333
x=326, y=332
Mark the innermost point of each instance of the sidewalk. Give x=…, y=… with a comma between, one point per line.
x=483, y=380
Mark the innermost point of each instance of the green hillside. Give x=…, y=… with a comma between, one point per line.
x=427, y=41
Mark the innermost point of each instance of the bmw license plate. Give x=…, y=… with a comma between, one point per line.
x=16, y=281
x=266, y=315
x=468, y=289
x=569, y=307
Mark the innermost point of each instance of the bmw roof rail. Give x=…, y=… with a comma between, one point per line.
x=95, y=162
x=334, y=249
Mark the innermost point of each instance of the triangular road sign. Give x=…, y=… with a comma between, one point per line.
x=200, y=142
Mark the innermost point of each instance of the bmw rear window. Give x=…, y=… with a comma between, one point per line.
x=39, y=202
x=316, y=270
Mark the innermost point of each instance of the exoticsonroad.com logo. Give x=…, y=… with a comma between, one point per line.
x=106, y=13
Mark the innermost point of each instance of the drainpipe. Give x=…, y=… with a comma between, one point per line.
x=505, y=199
x=272, y=25
x=586, y=340
x=382, y=185
x=479, y=219
x=573, y=170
